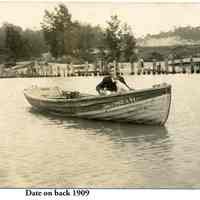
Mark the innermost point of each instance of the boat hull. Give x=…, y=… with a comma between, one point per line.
x=149, y=106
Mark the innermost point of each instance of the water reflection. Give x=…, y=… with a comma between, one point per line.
x=132, y=155
x=119, y=132
x=44, y=150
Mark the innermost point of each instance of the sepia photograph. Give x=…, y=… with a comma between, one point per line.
x=99, y=95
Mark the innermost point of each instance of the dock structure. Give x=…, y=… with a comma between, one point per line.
x=187, y=65
x=154, y=66
x=140, y=67
x=132, y=68
x=42, y=69
x=166, y=66
x=24, y=69
x=175, y=66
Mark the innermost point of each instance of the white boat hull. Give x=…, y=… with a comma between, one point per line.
x=149, y=106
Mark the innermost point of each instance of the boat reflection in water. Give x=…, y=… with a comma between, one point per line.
x=116, y=155
x=120, y=130
x=123, y=132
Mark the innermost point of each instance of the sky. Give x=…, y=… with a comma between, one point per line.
x=144, y=18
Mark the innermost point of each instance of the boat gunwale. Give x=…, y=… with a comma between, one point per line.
x=94, y=97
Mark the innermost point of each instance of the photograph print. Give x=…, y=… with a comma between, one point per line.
x=99, y=95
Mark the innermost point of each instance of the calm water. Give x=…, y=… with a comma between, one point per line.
x=38, y=150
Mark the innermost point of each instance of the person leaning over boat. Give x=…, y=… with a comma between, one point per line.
x=112, y=84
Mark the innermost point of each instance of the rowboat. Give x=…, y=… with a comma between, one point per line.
x=146, y=106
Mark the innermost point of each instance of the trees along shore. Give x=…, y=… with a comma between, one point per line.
x=87, y=48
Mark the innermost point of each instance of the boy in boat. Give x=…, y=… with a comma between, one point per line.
x=112, y=84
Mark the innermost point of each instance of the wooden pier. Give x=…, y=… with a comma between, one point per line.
x=42, y=69
x=186, y=65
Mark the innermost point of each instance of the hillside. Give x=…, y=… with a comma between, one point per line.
x=179, y=36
